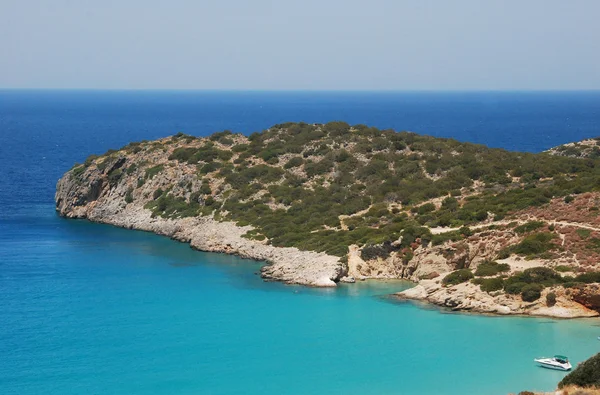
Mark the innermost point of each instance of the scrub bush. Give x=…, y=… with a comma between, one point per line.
x=491, y=268
x=457, y=277
x=531, y=292
x=586, y=374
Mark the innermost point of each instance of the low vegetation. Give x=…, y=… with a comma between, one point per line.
x=536, y=245
x=529, y=283
x=585, y=375
x=491, y=268
x=323, y=187
x=458, y=277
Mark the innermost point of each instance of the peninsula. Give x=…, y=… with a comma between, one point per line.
x=478, y=229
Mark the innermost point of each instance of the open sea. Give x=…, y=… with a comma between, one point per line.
x=93, y=309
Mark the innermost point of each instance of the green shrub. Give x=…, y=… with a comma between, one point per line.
x=583, y=233
x=529, y=226
x=531, y=292
x=240, y=148
x=89, y=160
x=129, y=195
x=454, y=235
x=534, y=244
x=569, y=199
x=78, y=170
x=205, y=189
x=594, y=244
x=336, y=128
x=182, y=154
x=457, y=277
x=158, y=193
x=491, y=268
x=514, y=288
x=209, y=201
x=563, y=268
x=490, y=284
x=131, y=169
x=591, y=277
x=540, y=276
x=504, y=253
x=294, y=162
x=586, y=374
x=168, y=206
x=550, y=299
x=114, y=176
x=376, y=251
x=323, y=166
x=425, y=208
x=209, y=167
x=152, y=171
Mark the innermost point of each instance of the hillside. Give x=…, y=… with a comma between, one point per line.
x=368, y=202
x=589, y=148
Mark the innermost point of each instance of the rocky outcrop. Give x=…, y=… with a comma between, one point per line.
x=589, y=148
x=95, y=200
x=469, y=297
x=587, y=295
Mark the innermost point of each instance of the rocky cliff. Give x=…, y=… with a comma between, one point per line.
x=91, y=195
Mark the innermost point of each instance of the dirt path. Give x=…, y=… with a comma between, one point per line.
x=440, y=230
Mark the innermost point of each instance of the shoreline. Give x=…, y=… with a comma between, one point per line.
x=161, y=187
x=279, y=262
x=426, y=305
x=286, y=264
x=467, y=298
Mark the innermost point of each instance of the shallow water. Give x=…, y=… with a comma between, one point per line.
x=90, y=308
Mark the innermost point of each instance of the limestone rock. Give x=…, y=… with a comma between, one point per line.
x=95, y=200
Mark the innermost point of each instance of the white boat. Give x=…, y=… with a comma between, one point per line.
x=558, y=362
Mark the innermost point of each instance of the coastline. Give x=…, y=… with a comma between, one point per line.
x=286, y=264
x=291, y=265
x=157, y=187
x=465, y=298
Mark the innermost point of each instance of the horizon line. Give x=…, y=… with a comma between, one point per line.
x=191, y=90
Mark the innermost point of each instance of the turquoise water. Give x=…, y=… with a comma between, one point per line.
x=92, y=309
x=89, y=308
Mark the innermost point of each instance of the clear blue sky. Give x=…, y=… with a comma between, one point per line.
x=309, y=44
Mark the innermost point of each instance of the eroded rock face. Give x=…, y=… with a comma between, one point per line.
x=92, y=197
x=427, y=262
x=587, y=295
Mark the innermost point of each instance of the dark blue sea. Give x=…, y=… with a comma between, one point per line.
x=93, y=309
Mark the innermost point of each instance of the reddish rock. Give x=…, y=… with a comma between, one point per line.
x=587, y=295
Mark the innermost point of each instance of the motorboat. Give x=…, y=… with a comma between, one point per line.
x=558, y=362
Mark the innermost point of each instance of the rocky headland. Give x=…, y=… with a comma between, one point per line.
x=287, y=264
x=477, y=229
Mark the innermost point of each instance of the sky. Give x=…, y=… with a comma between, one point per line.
x=300, y=45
